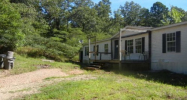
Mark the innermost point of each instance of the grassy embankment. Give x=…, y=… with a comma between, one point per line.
x=25, y=64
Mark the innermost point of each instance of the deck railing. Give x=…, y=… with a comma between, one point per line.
x=101, y=53
x=135, y=56
x=141, y=57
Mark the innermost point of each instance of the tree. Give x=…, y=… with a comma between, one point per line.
x=117, y=22
x=176, y=14
x=185, y=16
x=103, y=13
x=157, y=13
x=144, y=17
x=11, y=26
x=103, y=9
x=130, y=12
x=85, y=18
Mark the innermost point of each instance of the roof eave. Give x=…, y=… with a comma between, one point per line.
x=168, y=26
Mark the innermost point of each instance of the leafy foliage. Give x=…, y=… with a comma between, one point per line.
x=130, y=12
x=176, y=15
x=158, y=12
x=11, y=26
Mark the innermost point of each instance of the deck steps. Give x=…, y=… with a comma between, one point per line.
x=94, y=66
x=91, y=68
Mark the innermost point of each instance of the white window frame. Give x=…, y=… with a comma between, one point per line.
x=130, y=46
x=106, y=48
x=171, y=38
x=138, y=43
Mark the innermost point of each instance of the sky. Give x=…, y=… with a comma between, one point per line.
x=115, y=4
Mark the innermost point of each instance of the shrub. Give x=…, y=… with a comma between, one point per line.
x=37, y=46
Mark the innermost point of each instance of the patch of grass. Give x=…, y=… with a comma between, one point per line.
x=64, y=66
x=110, y=86
x=25, y=64
x=165, y=77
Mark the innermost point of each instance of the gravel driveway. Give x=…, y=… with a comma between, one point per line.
x=15, y=86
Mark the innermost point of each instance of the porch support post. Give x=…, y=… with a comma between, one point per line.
x=96, y=48
x=89, y=51
x=150, y=48
x=120, y=49
x=111, y=50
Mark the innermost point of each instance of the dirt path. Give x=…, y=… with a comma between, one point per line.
x=28, y=83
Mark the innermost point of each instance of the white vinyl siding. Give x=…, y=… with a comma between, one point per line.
x=172, y=61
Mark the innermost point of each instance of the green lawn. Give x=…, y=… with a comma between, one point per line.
x=26, y=64
x=112, y=86
x=108, y=85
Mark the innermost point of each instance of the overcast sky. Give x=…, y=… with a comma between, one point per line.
x=148, y=3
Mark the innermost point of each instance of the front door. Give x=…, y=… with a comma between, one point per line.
x=116, y=49
x=81, y=56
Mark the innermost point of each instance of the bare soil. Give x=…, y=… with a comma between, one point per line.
x=16, y=86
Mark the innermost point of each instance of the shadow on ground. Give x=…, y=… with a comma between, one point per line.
x=162, y=76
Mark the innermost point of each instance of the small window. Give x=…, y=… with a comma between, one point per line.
x=86, y=51
x=171, y=42
x=106, y=48
x=138, y=45
x=130, y=46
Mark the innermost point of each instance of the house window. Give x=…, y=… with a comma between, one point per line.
x=171, y=42
x=130, y=46
x=86, y=51
x=138, y=45
x=106, y=48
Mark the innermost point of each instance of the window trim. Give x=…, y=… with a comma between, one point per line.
x=170, y=42
x=128, y=46
x=106, y=50
x=139, y=40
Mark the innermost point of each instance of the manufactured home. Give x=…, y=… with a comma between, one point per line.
x=161, y=48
